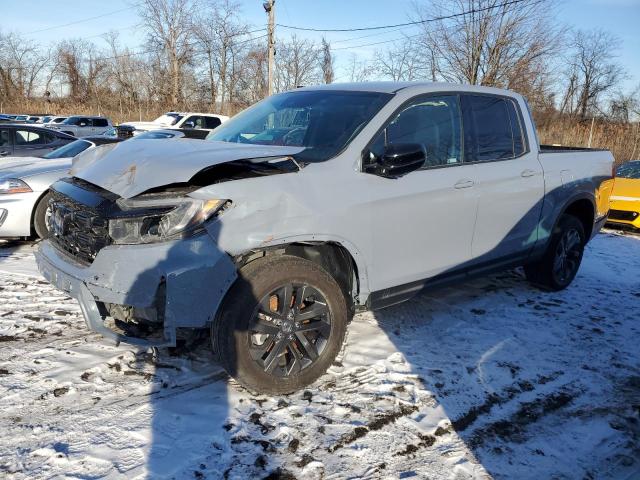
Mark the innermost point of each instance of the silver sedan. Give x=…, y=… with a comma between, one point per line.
x=25, y=182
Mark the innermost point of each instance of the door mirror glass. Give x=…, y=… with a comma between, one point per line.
x=188, y=124
x=399, y=159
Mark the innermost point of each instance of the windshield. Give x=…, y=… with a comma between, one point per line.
x=59, y=119
x=168, y=119
x=69, y=150
x=629, y=170
x=322, y=121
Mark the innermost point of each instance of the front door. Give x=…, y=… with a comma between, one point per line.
x=422, y=223
x=510, y=178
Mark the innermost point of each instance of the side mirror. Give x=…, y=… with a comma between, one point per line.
x=188, y=125
x=399, y=159
x=82, y=124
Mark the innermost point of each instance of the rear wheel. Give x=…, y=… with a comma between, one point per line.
x=40, y=217
x=281, y=326
x=560, y=263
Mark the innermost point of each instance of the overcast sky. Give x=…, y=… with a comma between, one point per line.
x=30, y=17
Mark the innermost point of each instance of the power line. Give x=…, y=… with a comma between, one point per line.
x=417, y=22
x=80, y=21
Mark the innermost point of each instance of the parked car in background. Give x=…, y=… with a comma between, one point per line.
x=82, y=126
x=314, y=204
x=56, y=119
x=177, y=120
x=25, y=182
x=625, y=198
x=25, y=140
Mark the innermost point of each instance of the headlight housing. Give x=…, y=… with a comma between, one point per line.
x=13, y=185
x=162, y=219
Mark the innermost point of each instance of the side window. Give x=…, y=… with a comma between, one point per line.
x=28, y=137
x=517, y=129
x=195, y=120
x=430, y=121
x=100, y=122
x=211, y=122
x=5, y=138
x=488, y=134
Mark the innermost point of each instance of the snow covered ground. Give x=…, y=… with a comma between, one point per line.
x=489, y=379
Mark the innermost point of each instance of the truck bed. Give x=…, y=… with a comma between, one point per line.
x=564, y=148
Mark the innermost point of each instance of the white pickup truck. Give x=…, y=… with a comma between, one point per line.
x=174, y=120
x=310, y=206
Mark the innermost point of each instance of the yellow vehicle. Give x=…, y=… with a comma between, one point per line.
x=625, y=197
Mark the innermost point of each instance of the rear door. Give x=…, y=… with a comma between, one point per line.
x=510, y=178
x=423, y=222
x=6, y=142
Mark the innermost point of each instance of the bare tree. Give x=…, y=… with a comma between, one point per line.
x=82, y=68
x=402, y=62
x=296, y=64
x=592, y=71
x=169, y=26
x=220, y=31
x=358, y=70
x=496, y=44
x=326, y=62
x=22, y=62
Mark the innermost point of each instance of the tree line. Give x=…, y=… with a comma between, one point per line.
x=203, y=55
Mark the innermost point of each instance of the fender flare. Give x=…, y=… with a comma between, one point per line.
x=354, y=251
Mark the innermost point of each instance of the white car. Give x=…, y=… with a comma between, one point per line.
x=24, y=186
x=83, y=126
x=55, y=120
x=174, y=120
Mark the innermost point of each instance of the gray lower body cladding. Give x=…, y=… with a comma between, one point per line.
x=168, y=285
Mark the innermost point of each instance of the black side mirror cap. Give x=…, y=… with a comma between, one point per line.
x=399, y=159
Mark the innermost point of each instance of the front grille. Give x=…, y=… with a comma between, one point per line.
x=622, y=215
x=77, y=229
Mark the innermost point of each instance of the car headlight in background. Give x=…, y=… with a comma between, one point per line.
x=162, y=220
x=13, y=185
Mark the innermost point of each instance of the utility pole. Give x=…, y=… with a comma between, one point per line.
x=269, y=7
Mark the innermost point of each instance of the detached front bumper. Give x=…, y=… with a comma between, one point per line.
x=183, y=282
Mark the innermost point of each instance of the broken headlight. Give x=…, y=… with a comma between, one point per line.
x=162, y=219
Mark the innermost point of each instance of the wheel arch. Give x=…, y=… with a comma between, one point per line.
x=33, y=210
x=582, y=207
x=333, y=256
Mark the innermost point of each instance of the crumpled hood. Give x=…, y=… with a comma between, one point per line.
x=132, y=167
x=29, y=166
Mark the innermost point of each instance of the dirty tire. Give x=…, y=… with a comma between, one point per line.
x=39, y=217
x=256, y=281
x=543, y=273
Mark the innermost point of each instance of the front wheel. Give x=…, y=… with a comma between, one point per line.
x=41, y=216
x=281, y=325
x=560, y=263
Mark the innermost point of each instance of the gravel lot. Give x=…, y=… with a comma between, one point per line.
x=492, y=378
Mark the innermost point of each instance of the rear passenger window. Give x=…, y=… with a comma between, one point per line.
x=100, y=122
x=28, y=137
x=211, y=122
x=431, y=121
x=489, y=131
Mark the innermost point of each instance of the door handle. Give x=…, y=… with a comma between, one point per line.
x=4, y=153
x=528, y=173
x=465, y=183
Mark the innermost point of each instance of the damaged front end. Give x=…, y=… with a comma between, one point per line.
x=136, y=248
x=140, y=269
